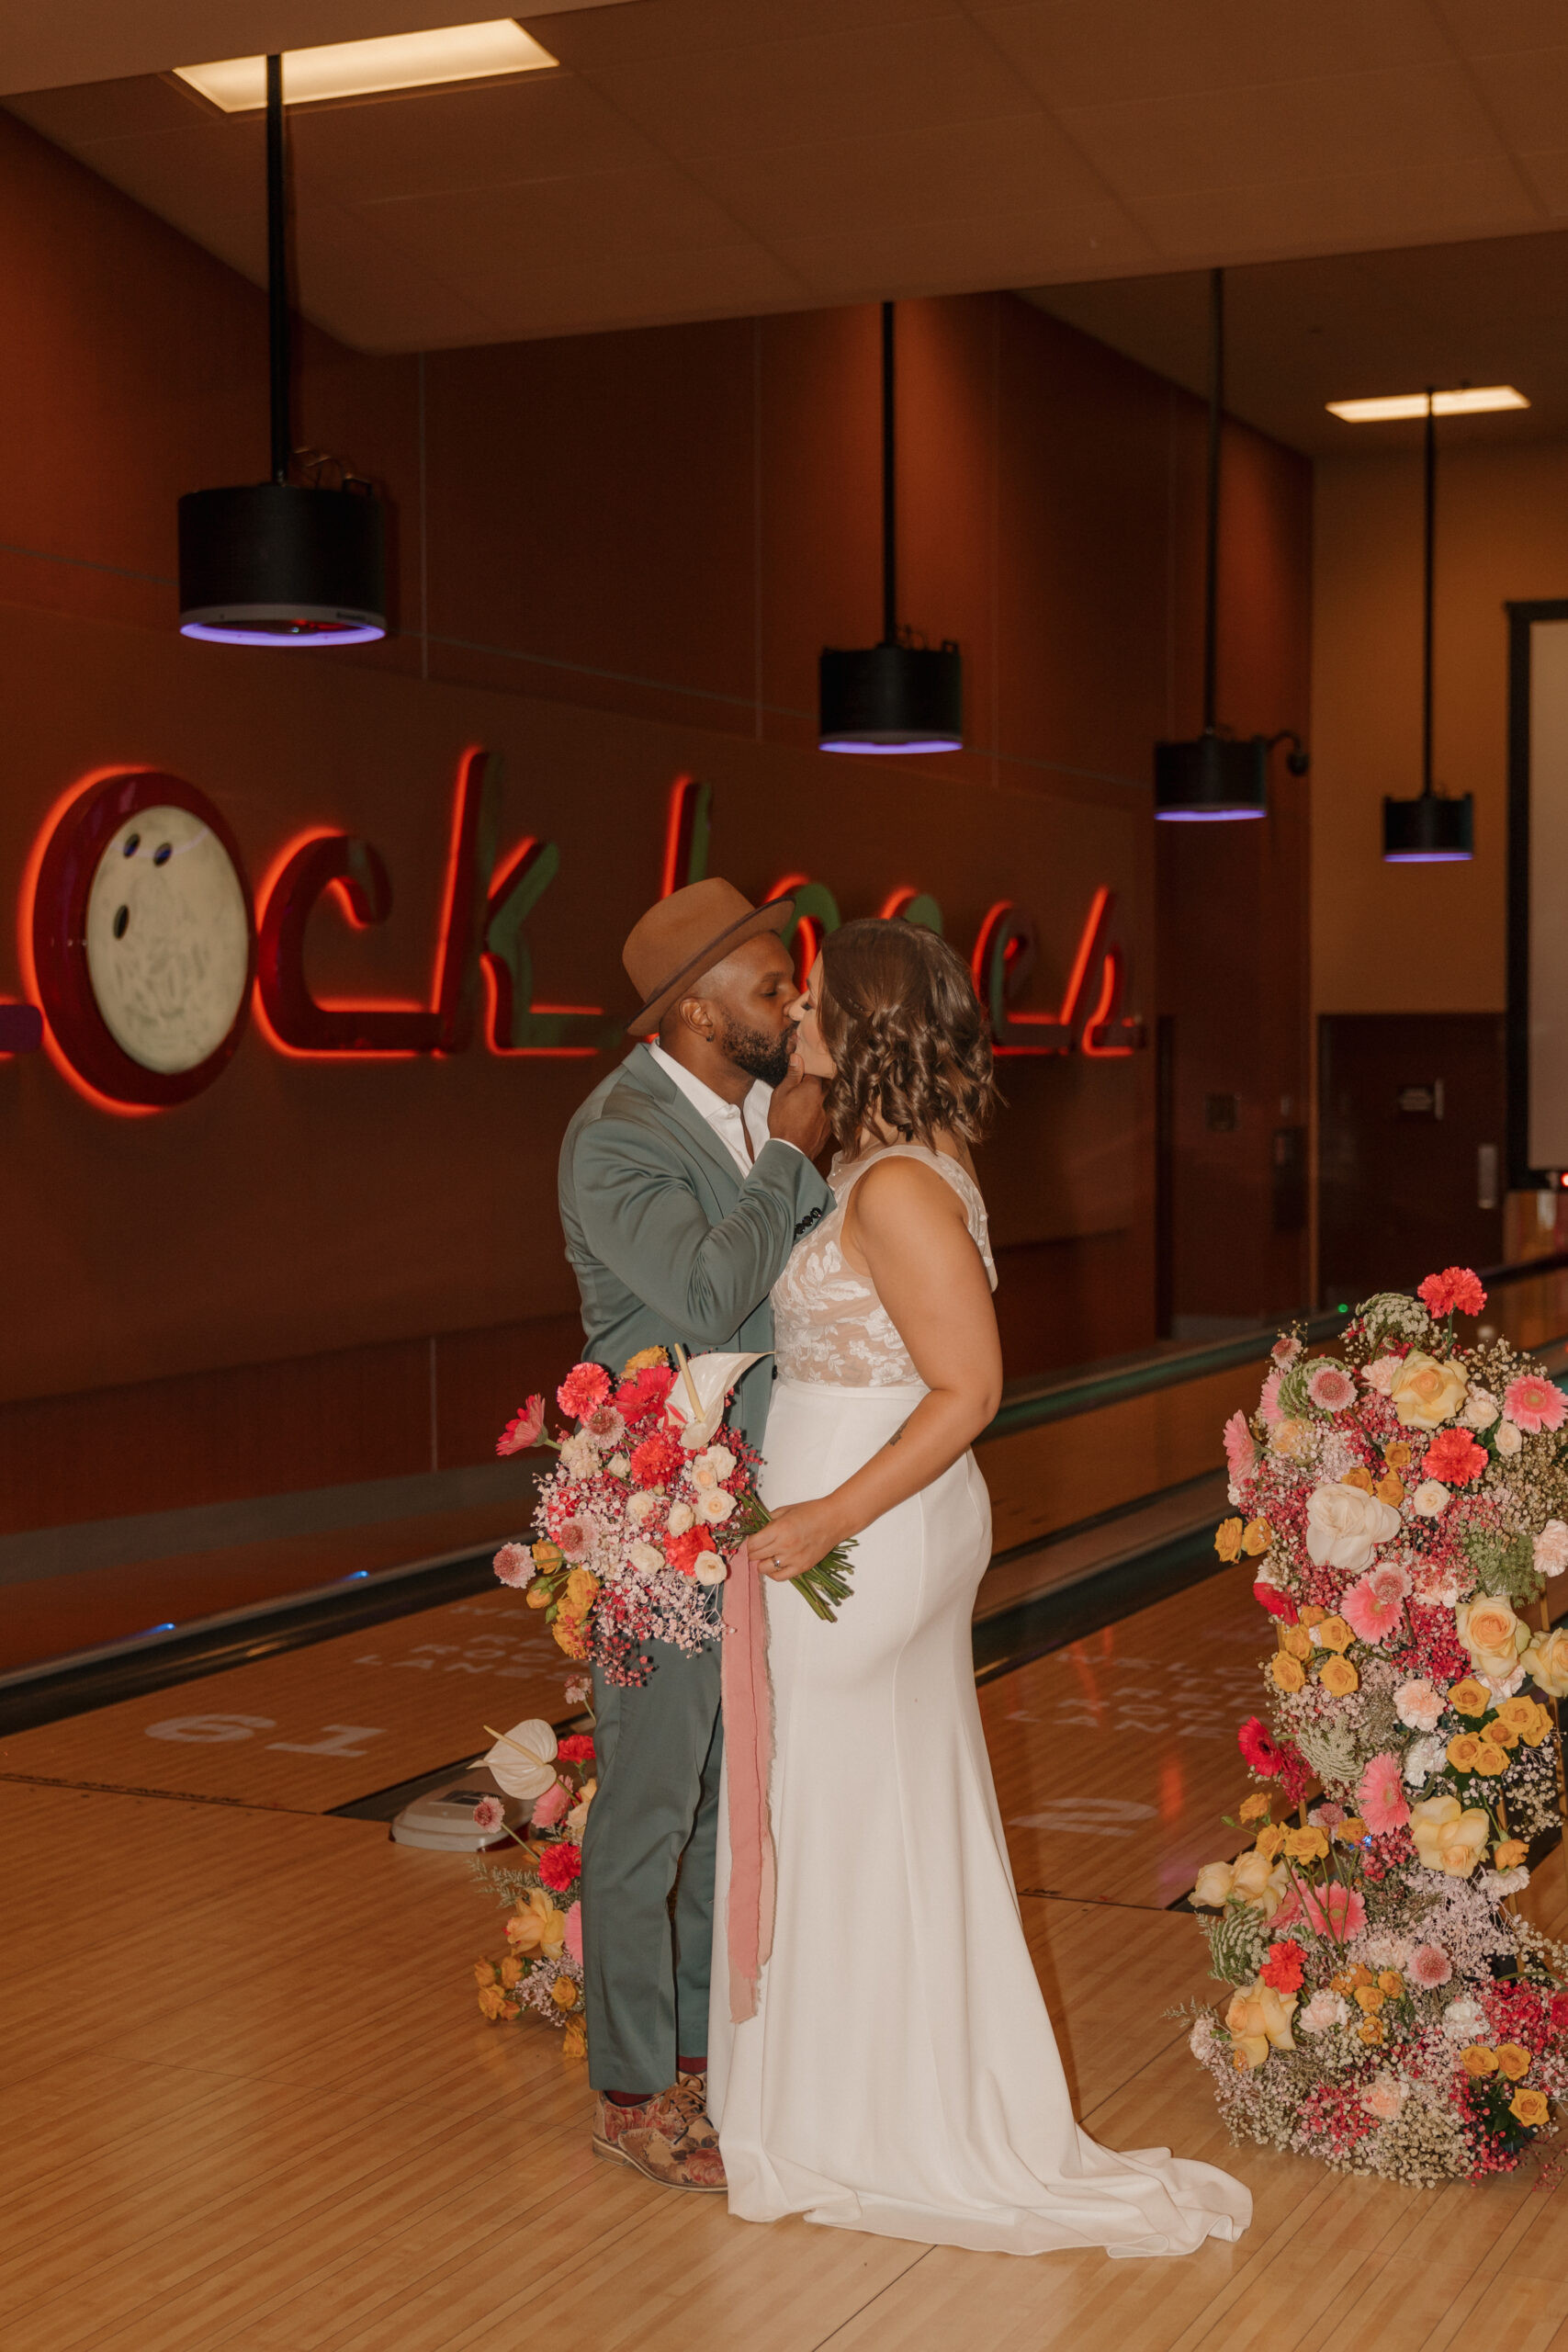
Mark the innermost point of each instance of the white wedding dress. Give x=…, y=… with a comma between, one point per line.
x=900, y=2074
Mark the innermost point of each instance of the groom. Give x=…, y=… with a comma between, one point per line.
x=685, y=1182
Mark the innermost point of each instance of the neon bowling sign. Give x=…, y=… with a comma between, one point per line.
x=145, y=951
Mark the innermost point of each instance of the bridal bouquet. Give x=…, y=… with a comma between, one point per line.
x=652, y=1495
x=1404, y=1501
x=540, y=1972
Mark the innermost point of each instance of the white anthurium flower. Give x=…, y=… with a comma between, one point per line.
x=523, y=1760
x=696, y=1402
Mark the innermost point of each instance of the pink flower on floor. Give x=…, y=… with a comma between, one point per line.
x=1241, y=1453
x=1383, y=2098
x=1533, y=1403
x=525, y=1429
x=1428, y=1966
x=489, y=1814
x=574, y=1932
x=515, y=1565
x=1337, y=1912
x=1381, y=1795
x=585, y=1386
x=1330, y=1387
x=553, y=1806
x=1371, y=1605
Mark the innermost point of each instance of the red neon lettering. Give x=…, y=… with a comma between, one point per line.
x=686, y=831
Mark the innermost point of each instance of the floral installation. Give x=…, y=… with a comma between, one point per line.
x=1403, y=1503
x=540, y=1973
x=652, y=1495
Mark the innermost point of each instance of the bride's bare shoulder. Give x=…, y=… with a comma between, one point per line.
x=903, y=1188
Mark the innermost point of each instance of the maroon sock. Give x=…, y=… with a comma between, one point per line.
x=628, y=2098
x=693, y=2065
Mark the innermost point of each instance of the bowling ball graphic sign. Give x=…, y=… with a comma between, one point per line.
x=143, y=941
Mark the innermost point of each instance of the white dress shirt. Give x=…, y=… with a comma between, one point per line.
x=733, y=1122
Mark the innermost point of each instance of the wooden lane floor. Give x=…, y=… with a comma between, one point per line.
x=315, y=1728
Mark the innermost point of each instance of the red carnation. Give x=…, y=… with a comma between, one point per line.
x=1454, y=1457
x=560, y=1866
x=585, y=1386
x=576, y=1748
x=1258, y=1749
x=1284, y=1967
x=643, y=1393
x=1278, y=1604
x=656, y=1460
x=683, y=1552
x=1456, y=1291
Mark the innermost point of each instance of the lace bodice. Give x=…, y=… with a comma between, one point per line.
x=830, y=1327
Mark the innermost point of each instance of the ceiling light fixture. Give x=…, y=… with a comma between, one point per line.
x=281, y=562
x=1217, y=777
x=1472, y=399
x=1430, y=830
x=361, y=69
x=899, y=695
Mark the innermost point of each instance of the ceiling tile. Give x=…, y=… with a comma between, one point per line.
x=1487, y=28
x=1096, y=53
x=1425, y=202
x=1291, y=134
x=1527, y=93
x=548, y=296
x=956, y=171
x=794, y=93
x=92, y=110
x=1548, y=176
x=540, y=128
x=581, y=223
x=683, y=28
x=956, y=257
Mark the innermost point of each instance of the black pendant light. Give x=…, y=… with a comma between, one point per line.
x=1216, y=776
x=281, y=562
x=1431, y=830
x=896, y=696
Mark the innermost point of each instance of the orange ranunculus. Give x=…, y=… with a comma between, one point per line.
x=1509, y=1853
x=1530, y=2109
x=1512, y=2061
x=1270, y=1838
x=1462, y=1751
x=1478, y=2060
x=1288, y=1673
x=1491, y=1759
x=1470, y=1697
x=1338, y=1677
x=1333, y=1634
x=1256, y=1537
x=1227, y=1538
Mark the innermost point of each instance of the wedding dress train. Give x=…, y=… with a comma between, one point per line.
x=900, y=2074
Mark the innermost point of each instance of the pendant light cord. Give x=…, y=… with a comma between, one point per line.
x=1212, y=540
x=277, y=274
x=1431, y=522
x=889, y=489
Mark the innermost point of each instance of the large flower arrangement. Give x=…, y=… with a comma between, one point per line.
x=540, y=1971
x=652, y=1494
x=1404, y=1501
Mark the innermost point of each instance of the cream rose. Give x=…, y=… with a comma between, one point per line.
x=1546, y=1661
x=1214, y=1882
x=681, y=1516
x=1430, y=1498
x=709, y=1568
x=715, y=1508
x=1425, y=1392
x=1345, y=1525
x=1260, y=1887
x=1508, y=1440
x=1493, y=1635
x=1293, y=1440
x=641, y=1507
x=1481, y=1409
x=1449, y=1837
x=719, y=1460
x=645, y=1556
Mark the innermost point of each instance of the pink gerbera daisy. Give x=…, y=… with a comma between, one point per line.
x=1371, y=1605
x=1533, y=1403
x=1268, y=1401
x=1241, y=1454
x=1381, y=1795
x=1338, y=1912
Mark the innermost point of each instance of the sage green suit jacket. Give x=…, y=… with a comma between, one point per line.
x=666, y=1239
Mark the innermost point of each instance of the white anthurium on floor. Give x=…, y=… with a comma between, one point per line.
x=701, y=1389
x=524, y=1760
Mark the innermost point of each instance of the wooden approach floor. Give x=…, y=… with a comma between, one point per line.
x=253, y=2105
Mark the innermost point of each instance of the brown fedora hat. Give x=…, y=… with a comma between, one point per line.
x=684, y=936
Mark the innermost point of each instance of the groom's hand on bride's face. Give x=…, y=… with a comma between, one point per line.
x=795, y=1114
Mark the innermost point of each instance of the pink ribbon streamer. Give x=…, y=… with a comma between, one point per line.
x=748, y=1761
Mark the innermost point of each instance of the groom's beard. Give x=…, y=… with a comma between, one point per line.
x=758, y=1055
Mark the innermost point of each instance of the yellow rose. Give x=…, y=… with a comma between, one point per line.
x=1227, y=1538
x=1501, y=1735
x=1542, y=1727
x=1390, y=1489
x=1449, y=1837
x=1363, y=1975
x=574, y=2041
x=1296, y=1640
x=1351, y=1830
x=1425, y=1392
x=581, y=1592
x=1462, y=1751
x=571, y=1635
x=1215, y=1881
x=1333, y=1634
x=1369, y=1997
x=538, y=1596
x=1256, y=1807
x=548, y=1558
x=1491, y=1759
x=535, y=1926
x=1492, y=1633
x=1338, y=1677
x=1256, y=1537
x=1258, y=1885
x=1512, y=2061
x=1471, y=1697
x=1478, y=2060
x=1509, y=1853
x=1372, y=2030
x=1391, y=1983
x=1288, y=1672
x=1547, y=1663
x=1530, y=2109
x=1516, y=1715
x=1313, y=1615
x=511, y=1969
x=1344, y=1982
x=644, y=1359
x=1307, y=1844
x=1258, y=2019
x=1396, y=1453
x=1360, y=1477
x=1269, y=1840
x=494, y=2002
x=563, y=1993
x=483, y=1973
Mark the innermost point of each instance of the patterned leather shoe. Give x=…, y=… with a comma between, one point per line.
x=691, y=2096
x=654, y=2139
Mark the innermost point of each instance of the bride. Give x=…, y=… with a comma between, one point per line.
x=899, y=2073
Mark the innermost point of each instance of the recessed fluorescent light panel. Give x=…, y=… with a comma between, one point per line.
x=1475, y=399
x=359, y=69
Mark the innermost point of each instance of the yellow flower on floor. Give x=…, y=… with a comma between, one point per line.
x=1333, y=1634
x=1256, y=1537
x=494, y=2002
x=1372, y=2031
x=1462, y=1751
x=1369, y=1997
x=1471, y=1697
x=511, y=1969
x=1492, y=1760
x=1259, y=2017
x=1509, y=1853
x=574, y=2041
x=483, y=1973
x=1530, y=2109
x=1449, y=1837
x=1338, y=1677
x=1512, y=2061
x=1478, y=2060
x=1254, y=1808
x=1288, y=1673
x=1228, y=1538
x=563, y=1993
x=1297, y=1640
x=1309, y=1845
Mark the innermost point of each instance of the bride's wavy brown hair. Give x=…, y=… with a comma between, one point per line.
x=908, y=1041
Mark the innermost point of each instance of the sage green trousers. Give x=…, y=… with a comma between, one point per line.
x=653, y=1822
